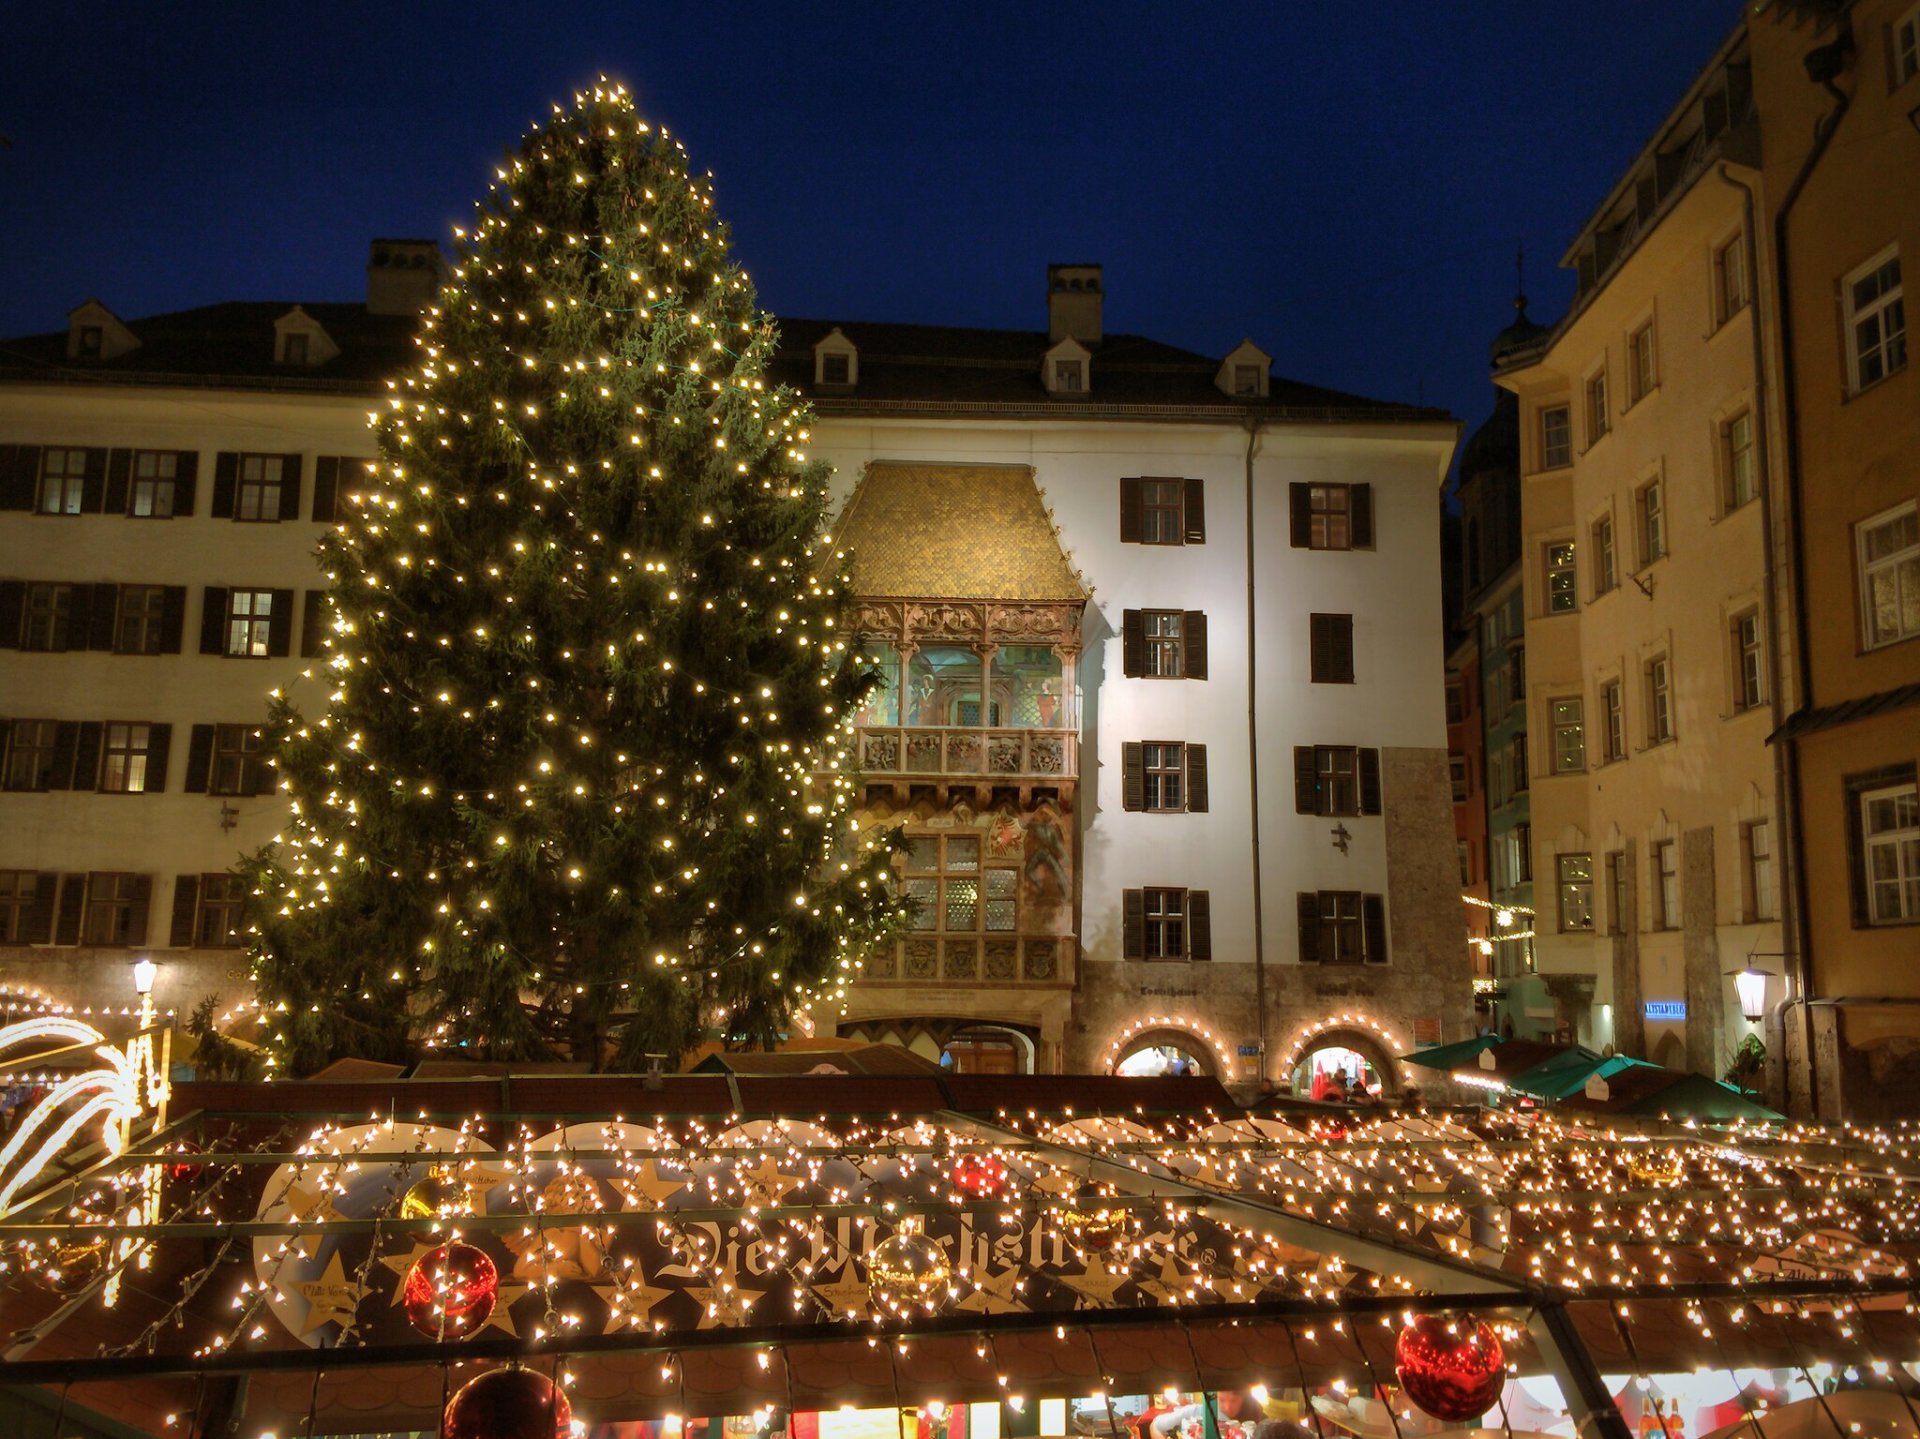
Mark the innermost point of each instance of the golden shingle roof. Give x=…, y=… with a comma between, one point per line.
x=957, y=532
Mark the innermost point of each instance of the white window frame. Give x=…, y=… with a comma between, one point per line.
x=1890, y=348
x=1552, y=456
x=1599, y=418
x=1762, y=892
x=1902, y=843
x=1562, y=578
x=1737, y=461
x=1902, y=566
x=1905, y=59
x=1606, y=569
x=1659, y=700
x=1663, y=864
x=1643, y=362
x=1730, y=292
x=1613, y=718
x=1567, y=722
x=1749, y=661
x=1069, y=376
x=1650, y=510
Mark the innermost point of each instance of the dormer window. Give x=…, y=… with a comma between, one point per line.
x=836, y=360
x=299, y=340
x=1243, y=374
x=836, y=369
x=1069, y=376
x=95, y=333
x=1067, y=369
x=1246, y=380
x=293, y=349
x=92, y=341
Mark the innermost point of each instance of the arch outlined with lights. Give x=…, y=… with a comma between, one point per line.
x=1182, y=1024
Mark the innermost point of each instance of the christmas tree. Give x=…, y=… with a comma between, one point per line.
x=580, y=786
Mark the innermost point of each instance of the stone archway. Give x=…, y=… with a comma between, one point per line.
x=1361, y=1041
x=1195, y=1053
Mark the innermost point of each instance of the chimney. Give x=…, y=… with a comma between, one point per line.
x=403, y=276
x=1073, y=303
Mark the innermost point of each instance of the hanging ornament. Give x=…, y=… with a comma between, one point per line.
x=908, y=1270
x=1656, y=1166
x=980, y=1176
x=66, y=1266
x=435, y=1197
x=450, y=1291
x=1330, y=1129
x=1452, y=1372
x=508, y=1404
x=181, y=1164
x=1092, y=1220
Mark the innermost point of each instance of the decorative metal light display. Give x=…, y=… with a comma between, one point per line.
x=450, y=1291
x=1656, y=1166
x=1447, y=1370
x=508, y=1404
x=1093, y=1221
x=436, y=1196
x=908, y=1270
x=980, y=1176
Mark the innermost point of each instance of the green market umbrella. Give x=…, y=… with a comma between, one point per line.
x=1450, y=1056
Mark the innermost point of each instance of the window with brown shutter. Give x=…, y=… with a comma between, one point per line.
x=1133, y=923
x=1373, y=914
x=186, y=896
x=326, y=486
x=1330, y=517
x=1336, y=780
x=1342, y=926
x=1193, y=516
x=1163, y=777
x=116, y=909
x=1194, y=637
x=1133, y=643
x=73, y=907
x=1162, y=511
x=1309, y=921
x=1330, y=642
x=1369, y=781
x=1360, y=508
x=313, y=619
x=1196, y=778
x=1133, y=777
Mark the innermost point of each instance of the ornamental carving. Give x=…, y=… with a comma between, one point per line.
x=946, y=621
x=1041, y=958
x=1046, y=754
x=1044, y=624
x=880, y=752
x=921, y=959
x=878, y=617
x=882, y=963
x=915, y=622
x=1002, y=959
x=962, y=960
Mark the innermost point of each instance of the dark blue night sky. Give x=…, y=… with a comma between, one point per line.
x=1344, y=183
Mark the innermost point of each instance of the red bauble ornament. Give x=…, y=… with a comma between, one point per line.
x=980, y=1176
x=508, y=1404
x=182, y=1166
x=1332, y=1129
x=450, y=1291
x=1454, y=1375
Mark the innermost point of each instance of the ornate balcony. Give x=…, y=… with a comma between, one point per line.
x=954, y=751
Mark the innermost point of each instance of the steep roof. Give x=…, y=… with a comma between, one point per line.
x=914, y=532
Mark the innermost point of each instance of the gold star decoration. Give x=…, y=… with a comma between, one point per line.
x=331, y=1299
x=767, y=1185
x=1096, y=1284
x=995, y=1294
x=849, y=1296
x=1170, y=1286
x=402, y=1262
x=728, y=1305
x=309, y=1206
x=502, y=1317
x=631, y=1300
x=649, y=1184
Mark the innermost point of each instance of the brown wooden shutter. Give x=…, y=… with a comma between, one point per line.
x=186, y=897
x=1133, y=643
x=119, y=469
x=213, y=621
x=79, y=617
x=86, y=756
x=173, y=619
x=139, y=909
x=199, y=757
x=66, y=737
x=1299, y=516
x=280, y=624
x=326, y=486
x=290, y=487
x=312, y=622
x=1193, y=636
x=1330, y=640
x=13, y=606
x=1360, y=512
x=1306, y=798
x=1133, y=924
x=102, y=615
x=73, y=904
x=93, y=483
x=1193, y=513
x=226, y=479
x=38, y=928
x=19, y=474
x=186, y=468
x=159, y=746
x=1369, y=781
x=1133, y=778
x=1196, y=778
x=1309, y=914
x=1373, y=916
x=1131, y=508
x=1199, y=924
x=266, y=777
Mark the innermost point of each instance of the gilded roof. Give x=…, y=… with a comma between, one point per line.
x=954, y=532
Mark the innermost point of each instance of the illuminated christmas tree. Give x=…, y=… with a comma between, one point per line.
x=578, y=788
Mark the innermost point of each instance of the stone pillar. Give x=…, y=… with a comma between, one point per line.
x=1700, y=944
x=1629, y=1019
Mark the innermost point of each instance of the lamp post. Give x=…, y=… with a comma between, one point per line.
x=1751, y=985
x=144, y=970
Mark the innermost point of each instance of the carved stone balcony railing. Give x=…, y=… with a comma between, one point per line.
x=994, y=959
x=1001, y=753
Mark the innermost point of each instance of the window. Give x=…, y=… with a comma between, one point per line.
x=1890, y=575
x=93, y=339
x=1164, y=777
x=1466, y=861
x=217, y=911
x=1617, y=916
x=1613, y=716
x=1246, y=380
x=1653, y=522
x=1520, y=838
x=1330, y=642
x=1166, y=923
x=1659, y=701
x=258, y=495
x=1756, y=840
x=31, y=748
x=116, y=911
x=1160, y=512
x=239, y=761
x=1069, y=376
x=1164, y=768
x=951, y=891
x=1556, y=437
x=47, y=620
x=1597, y=417
x=836, y=369
x=1330, y=524
x=1457, y=773
x=1666, y=885
x=1605, y=575
x=1876, y=320
x=1748, y=684
x=1906, y=47
x=1518, y=749
x=156, y=476
x=124, y=767
x=18, y=890
x=1575, y=874
x=249, y=622
x=1342, y=926
x=1890, y=831
x=1336, y=780
x=139, y=621
x=1499, y=781
x=1569, y=735
x=1456, y=700
x=293, y=349
x=1736, y=459
x=1561, y=598
x=1729, y=279
x=63, y=481
x=1640, y=370
x=1165, y=646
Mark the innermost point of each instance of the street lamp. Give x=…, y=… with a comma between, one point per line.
x=144, y=970
x=1751, y=985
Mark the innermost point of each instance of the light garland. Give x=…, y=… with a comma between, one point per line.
x=1317, y=1028
x=1193, y=1028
